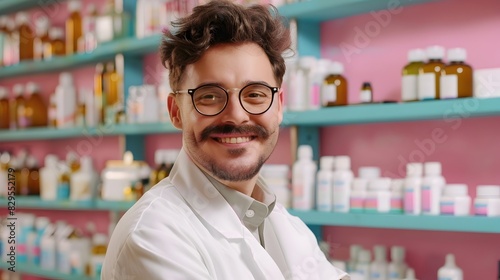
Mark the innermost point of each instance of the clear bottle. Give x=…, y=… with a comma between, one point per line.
x=73, y=27
x=303, y=81
x=26, y=36
x=366, y=93
x=432, y=188
x=410, y=274
x=324, y=181
x=397, y=267
x=378, y=267
x=456, y=76
x=429, y=74
x=16, y=106
x=334, y=90
x=42, y=37
x=409, y=85
x=413, y=188
x=36, y=109
x=342, y=180
x=4, y=109
x=57, y=46
x=450, y=271
x=303, y=175
x=113, y=23
x=11, y=46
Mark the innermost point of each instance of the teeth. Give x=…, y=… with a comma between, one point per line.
x=234, y=140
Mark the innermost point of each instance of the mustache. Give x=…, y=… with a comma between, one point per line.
x=228, y=129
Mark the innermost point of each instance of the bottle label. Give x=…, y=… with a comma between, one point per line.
x=328, y=94
x=63, y=191
x=427, y=86
x=426, y=199
x=409, y=88
x=448, y=87
x=396, y=203
x=447, y=208
x=365, y=96
x=481, y=209
x=409, y=203
x=357, y=202
x=445, y=278
x=315, y=95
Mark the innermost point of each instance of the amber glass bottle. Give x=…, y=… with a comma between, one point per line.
x=111, y=85
x=429, y=74
x=52, y=112
x=34, y=176
x=36, y=109
x=366, y=93
x=56, y=47
x=42, y=37
x=26, y=37
x=98, y=92
x=17, y=106
x=456, y=77
x=73, y=27
x=334, y=89
x=409, y=86
x=4, y=109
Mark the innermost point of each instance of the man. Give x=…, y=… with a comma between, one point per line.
x=214, y=217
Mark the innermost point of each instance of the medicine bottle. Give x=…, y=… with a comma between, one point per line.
x=366, y=93
x=429, y=74
x=36, y=110
x=56, y=47
x=34, y=176
x=4, y=109
x=450, y=271
x=98, y=91
x=455, y=200
x=413, y=188
x=303, y=179
x=487, y=201
x=342, y=181
x=26, y=37
x=52, y=112
x=432, y=187
x=409, y=85
x=456, y=77
x=334, y=90
x=73, y=27
x=17, y=105
x=42, y=38
x=324, y=184
x=99, y=247
x=278, y=180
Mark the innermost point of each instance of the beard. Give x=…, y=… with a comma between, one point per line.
x=236, y=172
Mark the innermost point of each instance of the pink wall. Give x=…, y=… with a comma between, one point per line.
x=376, y=51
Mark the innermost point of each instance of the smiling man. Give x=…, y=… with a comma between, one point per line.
x=214, y=217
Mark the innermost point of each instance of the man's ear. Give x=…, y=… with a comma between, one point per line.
x=174, y=111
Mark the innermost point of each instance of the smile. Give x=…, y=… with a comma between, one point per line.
x=234, y=140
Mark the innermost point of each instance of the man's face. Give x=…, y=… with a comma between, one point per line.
x=234, y=144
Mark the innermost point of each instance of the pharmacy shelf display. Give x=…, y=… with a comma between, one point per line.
x=37, y=271
x=27, y=202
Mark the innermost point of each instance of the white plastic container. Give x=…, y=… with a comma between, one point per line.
x=354, y=250
x=410, y=274
x=450, y=271
x=324, y=186
x=342, y=181
x=455, y=200
x=83, y=183
x=432, y=188
x=65, y=101
x=363, y=265
x=412, y=187
x=378, y=267
x=49, y=177
x=397, y=194
x=378, y=198
x=318, y=74
x=301, y=81
x=487, y=201
x=397, y=267
x=277, y=179
x=303, y=179
x=358, y=195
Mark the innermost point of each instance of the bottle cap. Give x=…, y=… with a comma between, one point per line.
x=342, y=163
x=307, y=62
x=326, y=162
x=32, y=87
x=56, y=33
x=364, y=256
x=18, y=90
x=450, y=260
x=457, y=55
x=435, y=52
x=455, y=190
x=41, y=222
x=414, y=169
x=354, y=250
x=359, y=184
x=74, y=5
x=22, y=18
x=275, y=171
x=380, y=253
x=3, y=92
x=65, y=79
x=86, y=164
x=488, y=190
x=322, y=65
x=367, y=84
x=397, y=254
x=42, y=25
x=31, y=162
x=432, y=168
x=336, y=68
x=380, y=184
x=410, y=274
x=368, y=172
x=51, y=160
x=305, y=152
x=416, y=55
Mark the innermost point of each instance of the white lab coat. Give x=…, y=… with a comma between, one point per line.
x=183, y=228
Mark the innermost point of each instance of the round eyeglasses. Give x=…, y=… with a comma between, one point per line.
x=211, y=100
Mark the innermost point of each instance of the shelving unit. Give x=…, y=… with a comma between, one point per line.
x=37, y=271
x=12, y=6
x=26, y=202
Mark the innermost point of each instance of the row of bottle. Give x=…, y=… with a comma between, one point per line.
x=20, y=41
x=427, y=76
x=361, y=265
x=54, y=246
x=334, y=188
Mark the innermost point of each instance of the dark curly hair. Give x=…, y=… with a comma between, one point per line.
x=221, y=21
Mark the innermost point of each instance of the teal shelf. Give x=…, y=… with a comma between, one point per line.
x=37, y=271
x=395, y=112
x=323, y=10
x=54, y=133
x=114, y=205
x=12, y=6
x=104, y=52
x=394, y=221
x=26, y=202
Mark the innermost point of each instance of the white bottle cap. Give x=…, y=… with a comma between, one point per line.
x=3, y=92
x=51, y=160
x=305, y=152
x=100, y=239
x=322, y=65
x=42, y=25
x=488, y=190
x=74, y=5
x=368, y=172
x=432, y=168
x=65, y=79
x=31, y=162
x=336, y=68
x=275, y=171
x=354, y=250
x=435, y=52
x=414, y=169
x=359, y=184
x=21, y=18
x=342, y=163
x=380, y=253
x=307, y=62
x=457, y=54
x=455, y=190
x=56, y=33
x=450, y=260
x=397, y=254
x=326, y=162
x=410, y=274
x=32, y=87
x=416, y=55
x=41, y=222
x=86, y=164
x=18, y=90
x=364, y=256
x=380, y=184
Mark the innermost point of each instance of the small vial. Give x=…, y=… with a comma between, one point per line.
x=366, y=93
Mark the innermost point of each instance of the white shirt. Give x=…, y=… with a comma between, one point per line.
x=183, y=228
